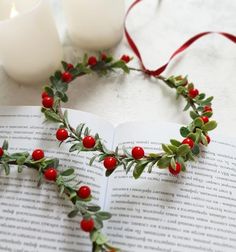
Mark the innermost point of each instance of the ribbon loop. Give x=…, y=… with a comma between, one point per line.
x=182, y=48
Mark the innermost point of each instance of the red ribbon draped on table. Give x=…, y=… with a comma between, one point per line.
x=182, y=48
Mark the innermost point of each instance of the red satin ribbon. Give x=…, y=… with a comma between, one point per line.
x=182, y=48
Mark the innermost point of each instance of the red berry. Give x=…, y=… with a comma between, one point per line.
x=110, y=163
x=87, y=225
x=48, y=102
x=126, y=58
x=103, y=56
x=89, y=142
x=137, y=152
x=189, y=142
x=62, y=134
x=92, y=61
x=208, y=139
x=84, y=192
x=44, y=94
x=66, y=77
x=205, y=119
x=175, y=171
x=50, y=174
x=207, y=109
x=1, y=152
x=37, y=154
x=193, y=93
x=70, y=67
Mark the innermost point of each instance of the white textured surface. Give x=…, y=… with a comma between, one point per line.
x=159, y=27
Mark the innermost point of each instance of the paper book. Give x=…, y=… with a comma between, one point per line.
x=195, y=211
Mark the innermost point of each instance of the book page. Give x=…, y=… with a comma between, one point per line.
x=35, y=219
x=195, y=211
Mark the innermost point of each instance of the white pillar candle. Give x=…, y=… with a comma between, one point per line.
x=30, y=49
x=95, y=24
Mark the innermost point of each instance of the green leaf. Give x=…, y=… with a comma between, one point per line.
x=61, y=86
x=201, y=96
x=128, y=167
x=103, y=215
x=5, y=145
x=62, y=189
x=39, y=178
x=63, y=97
x=196, y=149
x=101, y=239
x=193, y=114
x=150, y=166
x=180, y=90
x=75, y=147
x=173, y=148
x=164, y=162
x=21, y=160
x=173, y=163
x=73, y=194
x=93, y=208
x=79, y=129
x=57, y=75
x=98, y=223
x=175, y=142
x=19, y=154
x=204, y=139
x=183, y=150
x=54, y=162
x=181, y=161
x=187, y=106
x=68, y=172
x=190, y=156
x=207, y=114
x=166, y=149
x=198, y=135
x=184, y=131
x=192, y=136
x=198, y=122
x=101, y=157
x=20, y=168
x=49, y=91
x=121, y=64
x=65, y=115
x=155, y=155
x=6, y=167
x=93, y=235
x=210, y=126
x=82, y=69
x=85, y=59
x=190, y=86
x=109, y=172
x=207, y=101
x=73, y=213
x=52, y=116
x=139, y=168
x=65, y=65
x=52, y=80
x=92, y=160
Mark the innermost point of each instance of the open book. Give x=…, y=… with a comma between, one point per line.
x=195, y=211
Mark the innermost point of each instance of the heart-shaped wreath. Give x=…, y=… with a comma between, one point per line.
x=173, y=157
